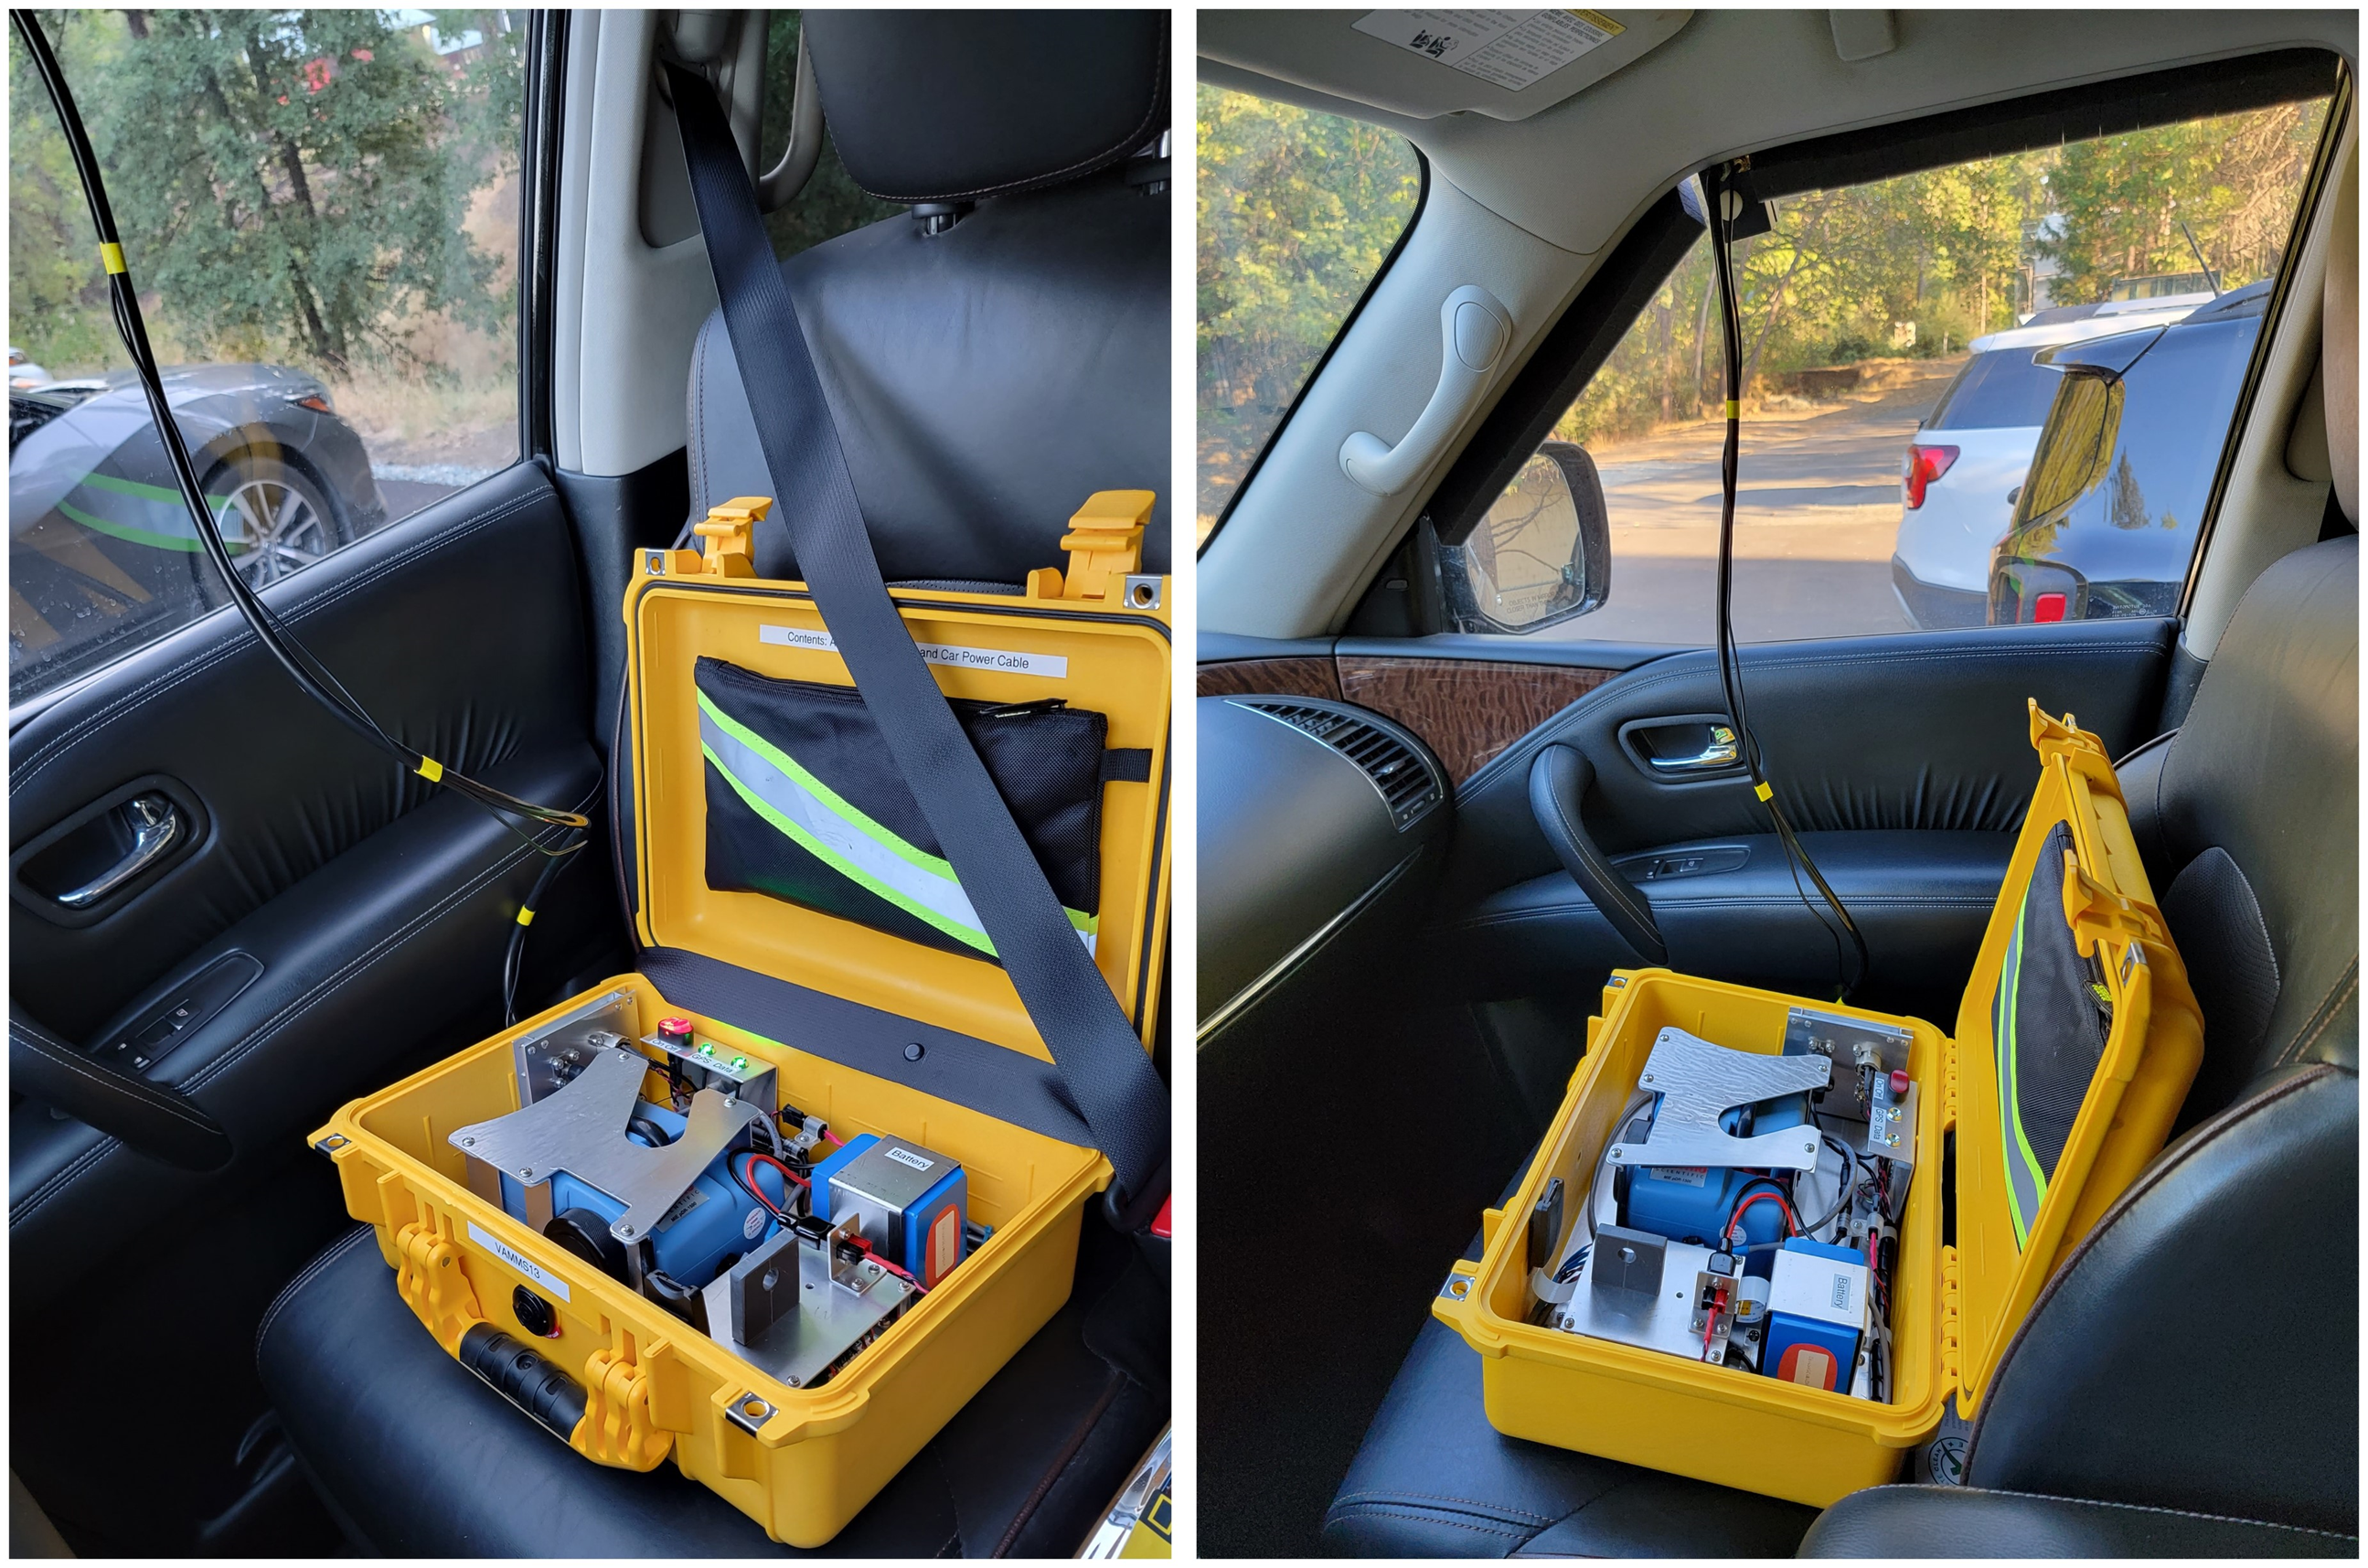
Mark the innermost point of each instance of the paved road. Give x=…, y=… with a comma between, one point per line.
x=1815, y=517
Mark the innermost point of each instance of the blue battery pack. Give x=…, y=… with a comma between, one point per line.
x=1816, y=1309
x=911, y=1203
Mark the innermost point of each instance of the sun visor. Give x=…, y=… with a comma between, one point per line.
x=1422, y=64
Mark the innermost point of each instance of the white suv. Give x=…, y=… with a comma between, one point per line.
x=1962, y=471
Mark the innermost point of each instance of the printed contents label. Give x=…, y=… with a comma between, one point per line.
x=544, y=1279
x=1511, y=48
x=1005, y=661
x=1684, y=1175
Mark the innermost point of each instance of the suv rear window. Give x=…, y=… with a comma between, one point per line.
x=2000, y=390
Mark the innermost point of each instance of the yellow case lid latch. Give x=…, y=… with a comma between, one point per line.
x=726, y=529
x=1105, y=546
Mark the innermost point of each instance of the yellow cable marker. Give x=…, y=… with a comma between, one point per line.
x=1763, y=792
x=430, y=769
x=526, y=916
x=1734, y=409
x=112, y=255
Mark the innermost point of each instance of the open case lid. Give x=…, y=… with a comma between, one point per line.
x=1102, y=646
x=2043, y=1147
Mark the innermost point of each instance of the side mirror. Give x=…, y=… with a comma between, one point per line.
x=1540, y=555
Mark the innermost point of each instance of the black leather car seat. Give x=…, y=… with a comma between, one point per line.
x=985, y=378
x=2188, y=1382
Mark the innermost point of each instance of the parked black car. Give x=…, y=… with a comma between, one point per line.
x=2106, y=521
x=100, y=547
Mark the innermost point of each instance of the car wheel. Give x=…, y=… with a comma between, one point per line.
x=277, y=521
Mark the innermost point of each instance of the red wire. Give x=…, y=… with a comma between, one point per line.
x=891, y=1268
x=777, y=1164
x=1791, y=1219
x=748, y=1184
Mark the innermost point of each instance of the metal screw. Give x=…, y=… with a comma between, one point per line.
x=624, y=1229
x=529, y=1171
x=914, y=1052
x=468, y=1143
x=1627, y=1255
x=1645, y=1079
x=772, y=1278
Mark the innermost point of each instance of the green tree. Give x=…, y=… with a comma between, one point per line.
x=1297, y=212
x=57, y=295
x=2235, y=180
x=283, y=177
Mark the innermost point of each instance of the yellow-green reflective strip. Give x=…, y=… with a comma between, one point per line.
x=2026, y=1183
x=811, y=814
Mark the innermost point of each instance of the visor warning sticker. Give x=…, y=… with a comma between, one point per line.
x=1511, y=48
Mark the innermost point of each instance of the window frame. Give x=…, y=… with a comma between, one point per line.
x=1413, y=221
x=546, y=56
x=1579, y=342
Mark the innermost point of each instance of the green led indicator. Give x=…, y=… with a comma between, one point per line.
x=708, y=1049
x=739, y=1062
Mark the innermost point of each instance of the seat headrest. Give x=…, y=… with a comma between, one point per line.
x=956, y=105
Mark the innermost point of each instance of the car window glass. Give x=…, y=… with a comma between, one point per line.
x=830, y=203
x=1297, y=213
x=1902, y=344
x=320, y=209
x=2003, y=390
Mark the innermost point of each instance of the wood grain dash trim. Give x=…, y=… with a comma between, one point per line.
x=1467, y=710
x=1307, y=677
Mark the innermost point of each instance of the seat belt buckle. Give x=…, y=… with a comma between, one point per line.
x=727, y=528
x=1105, y=546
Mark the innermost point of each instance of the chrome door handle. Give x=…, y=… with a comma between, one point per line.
x=1721, y=753
x=155, y=824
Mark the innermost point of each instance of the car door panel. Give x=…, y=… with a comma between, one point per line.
x=1924, y=733
x=1922, y=899
x=457, y=629
x=376, y=906
x=1905, y=761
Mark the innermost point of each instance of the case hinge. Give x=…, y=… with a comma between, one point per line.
x=1948, y=1083
x=2081, y=752
x=430, y=1273
x=618, y=1427
x=728, y=529
x=1105, y=546
x=1952, y=1358
x=2095, y=915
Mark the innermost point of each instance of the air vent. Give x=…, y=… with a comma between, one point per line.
x=1408, y=782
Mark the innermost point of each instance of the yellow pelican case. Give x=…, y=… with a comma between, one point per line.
x=803, y=1461
x=1954, y=1307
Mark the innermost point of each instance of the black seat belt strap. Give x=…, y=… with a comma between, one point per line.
x=1101, y=1062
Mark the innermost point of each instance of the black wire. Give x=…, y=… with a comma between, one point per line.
x=1730, y=661
x=311, y=675
x=510, y=960
x=269, y=629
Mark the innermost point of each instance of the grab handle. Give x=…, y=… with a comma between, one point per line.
x=1474, y=331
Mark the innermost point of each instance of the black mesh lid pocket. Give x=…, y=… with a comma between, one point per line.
x=804, y=803
x=2049, y=1021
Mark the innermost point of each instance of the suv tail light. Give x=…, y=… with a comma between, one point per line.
x=1924, y=465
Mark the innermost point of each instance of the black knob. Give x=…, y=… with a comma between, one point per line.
x=533, y=1313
